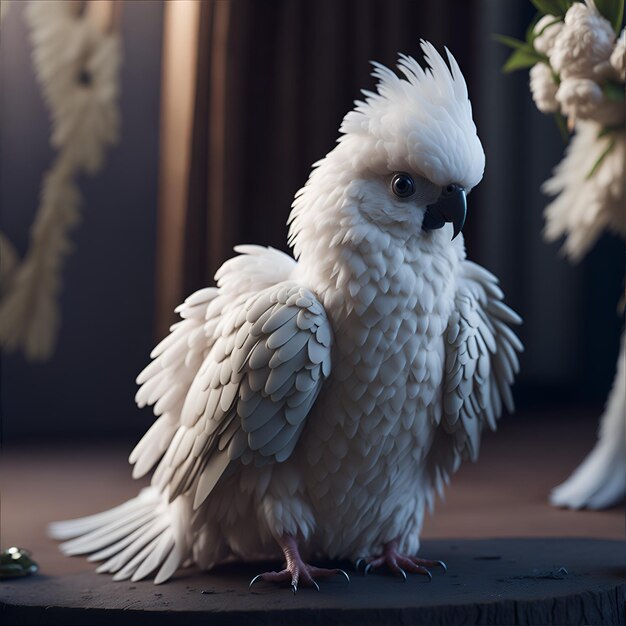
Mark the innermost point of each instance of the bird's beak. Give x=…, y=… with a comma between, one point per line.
x=450, y=207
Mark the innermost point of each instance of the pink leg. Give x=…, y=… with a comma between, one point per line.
x=296, y=570
x=398, y=563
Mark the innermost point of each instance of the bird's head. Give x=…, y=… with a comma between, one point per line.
x=408, y=154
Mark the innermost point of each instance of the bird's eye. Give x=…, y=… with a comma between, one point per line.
x=402, y=185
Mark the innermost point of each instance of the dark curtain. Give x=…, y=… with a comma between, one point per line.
x=273, y=81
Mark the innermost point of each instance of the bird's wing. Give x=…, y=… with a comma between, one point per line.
x=166, y=381
x=480, y=364
x=249, y=399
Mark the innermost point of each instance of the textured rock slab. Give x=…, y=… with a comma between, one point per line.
x=500, y=581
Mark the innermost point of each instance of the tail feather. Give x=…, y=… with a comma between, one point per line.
x=118, y=546
x=68, y=529
x=171, y=564
x=133, y=564
x=134, y=539
x=119, y=559
x=160, y=552
x=104, y=536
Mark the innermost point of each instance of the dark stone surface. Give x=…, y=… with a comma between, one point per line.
x=496, y=581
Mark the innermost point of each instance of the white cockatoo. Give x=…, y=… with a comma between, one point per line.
x=315, y=406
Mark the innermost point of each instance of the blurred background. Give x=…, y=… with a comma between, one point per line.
x=224, y=107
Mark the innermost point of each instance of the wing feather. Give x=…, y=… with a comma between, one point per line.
x=209, y=477
x=233, y=382
x=481, y=363
x=205, y=315
x=250, y=397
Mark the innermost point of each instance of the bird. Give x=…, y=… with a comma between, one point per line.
x=314, y=406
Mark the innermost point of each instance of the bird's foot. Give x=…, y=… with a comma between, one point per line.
x=398, y=564
x=297, y=572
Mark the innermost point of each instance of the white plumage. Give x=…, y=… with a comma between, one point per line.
x=320, y=404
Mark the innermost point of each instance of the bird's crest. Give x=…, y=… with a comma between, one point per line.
x=422, y=118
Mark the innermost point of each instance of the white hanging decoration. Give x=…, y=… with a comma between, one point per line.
x=77, y=60
x=589, y=190
x=8, y=262
x=577, y=72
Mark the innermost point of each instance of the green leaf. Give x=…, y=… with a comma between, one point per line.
x=614, y=92
x=601, y=158
x=562, y=126
x=607, y=130
x=524, y=54
x=530, y=30
x=566, y=4
x=511, y=42
x=521, y=59
x=613, y=11
x=553, y=7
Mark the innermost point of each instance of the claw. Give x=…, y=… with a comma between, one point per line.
x=399, y=564
x=295, y=570
x=358, y=562
x=340, y=571
x=429, y=563
x=254, y=580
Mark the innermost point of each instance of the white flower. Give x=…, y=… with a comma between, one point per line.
x=543, y=88
x=586, y=40
x=618, y=56
x=546, y=30
x=579, y=97
x=582, y=98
